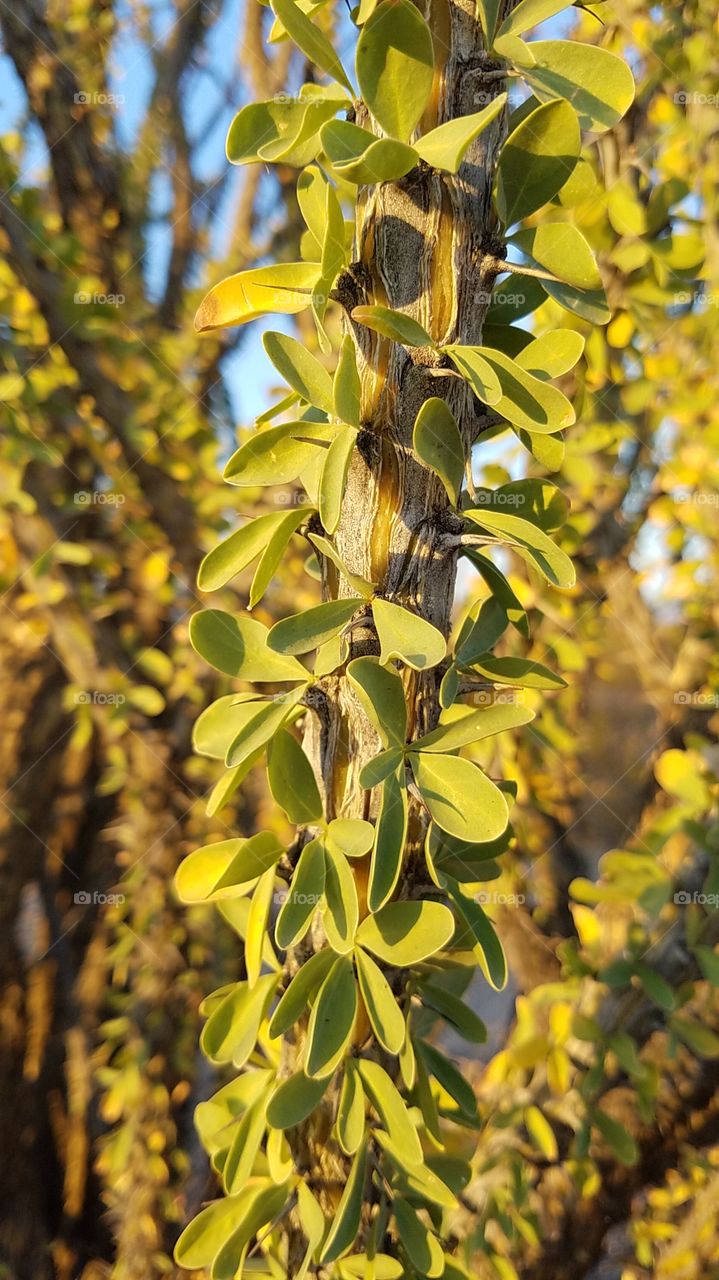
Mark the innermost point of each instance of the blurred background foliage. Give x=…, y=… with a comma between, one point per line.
x=598, y=1156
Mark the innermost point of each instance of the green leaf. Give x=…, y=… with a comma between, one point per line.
x=550, y=356
x=405, y=635
x=280, y=131
x=530, y=542
x=341, y=908
x=529, y=13
x=521, y=672
x=421, y=1246
x=292, y=780
x=257, y=919
x=352, y=836
x=393, y=324
x=487, y=946
x=308, y=630
x=312, y=1221
x=274, y=551
x=389, y=1105
x=346, y=388
x=217, y=870
x=334, y=248
x=560, y=248
x=310, y=40
x=303, y=988
x=589, y=304
x=230, y=1033
x=262, y=727
x=437, y=441
x=382, y=1009
x=294, y=1100
x=477, y=371
x=480, y=631
x=446, y=146
x=403, y=933
x=351, y=1111
x=488, y=13
x=526, y=401
x=203, y=1238
x=389, y=843
x=460, y=798
x=448, y=1076
x=346, y=1221
x=359, y=584
x=617, y=1137
x=597, y=83
x=701, y=1040
x=238, y=647
x=356, y=155
x=240, y=549
x=219, y=723
x=419, y=1178
x=276, y=455
x=283, y=288
x=500, y=587
x=334, y=477
x=382, y=696
x=244, y=1147
x=380, y=767
x=303, y=896
x=537, y=159
x=331, y=1020
x=259, y=1208
x=473, y=726
x=460, y=1017
x=300, y=369
x=395, y=66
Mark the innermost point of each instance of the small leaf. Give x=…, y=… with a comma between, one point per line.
x=552, y=354
x=477, y=371
x=331, y=1020
x=617, y=1137
x=261, y=728
x=341, y=909
x=473, y=726
x=521, y=672
x=300, y=369
x=448, y=1076
x=230, y=1033
x=227, y=863
x=530, y=542
x=393, y=324
x=303, y=897
x=240, y=549
x=351, y=836
x=419, y=1178
x=292, y=780
x=245, y=1145
x=528, y=14
x=437, y=441
x=359, y=584
x=395, y=66
x=390, y=837
x=701, y=1040
x=389, y=1105
x=589, y=304
x=403, y=933
x=407, y=636
x=276, y=455
x=460, y=798
x=283, y=288
x=334, y=476
x=460, y=1017
x=238, y=647
x=351, y=1111
x=382, y=1009
x=446, y=146
x=294, y=1100
x=301, y=632
x=203, y=1238
x=538, y=157
x=487, y=948
x=541, y=1133
x=257, y=925
x=560, y=248
x=273, y=553
x=526, y=401
x=259, y=1208
x=597, y=83
x=346, y=387
x=382, y=696
x=380, y=767
x=356, y=155
x=421, y=1246
x=310, y=40
x=346, y=1221
x=303, y=988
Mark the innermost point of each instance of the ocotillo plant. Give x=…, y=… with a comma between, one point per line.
x=331, y=1143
